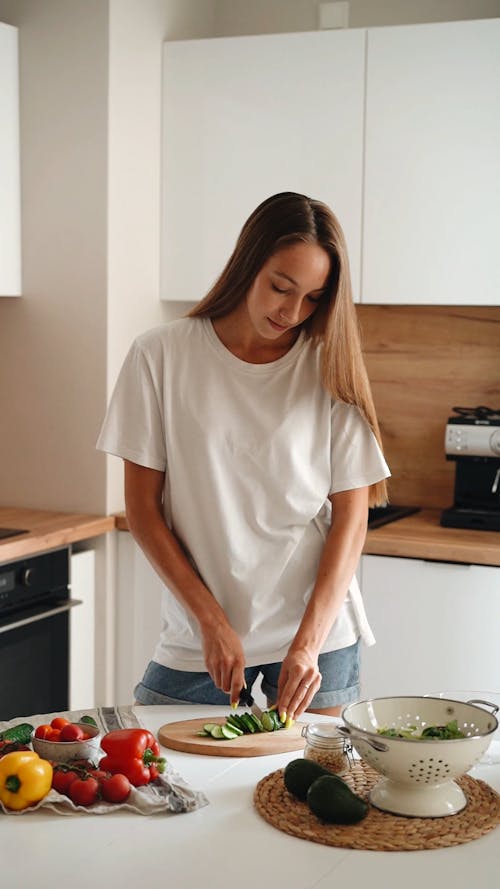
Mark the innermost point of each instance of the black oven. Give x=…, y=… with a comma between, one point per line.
x=34, y=635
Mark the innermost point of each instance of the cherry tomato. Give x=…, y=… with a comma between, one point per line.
x=59, y=722
x=99, y=774
x=43, y=731
x=84, y=791
x=72, y=732
x=115, y=789
x=61, y=779
x=54, y=734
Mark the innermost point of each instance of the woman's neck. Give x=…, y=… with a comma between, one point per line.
x=245, y=343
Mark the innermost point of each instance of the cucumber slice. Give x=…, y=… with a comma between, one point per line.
x=234, y=728
x=277, y=721
x=267, y=721
x=257, y=723
x=208, y=726
x=240, y=722
x=249, y=726
x=217, y=732
x=229, y=734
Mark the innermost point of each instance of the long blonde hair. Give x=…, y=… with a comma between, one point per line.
x=287, y=218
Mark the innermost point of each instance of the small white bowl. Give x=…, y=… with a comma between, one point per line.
x=65, y=751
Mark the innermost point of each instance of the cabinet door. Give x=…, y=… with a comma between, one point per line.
x=10, y=212
x=138, y=617
x=436, y=626
x=245, y=118
x=432, y=177
x=82, y=632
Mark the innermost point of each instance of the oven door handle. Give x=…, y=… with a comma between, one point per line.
x=36, y=617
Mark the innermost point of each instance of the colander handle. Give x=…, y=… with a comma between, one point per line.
x=494, y=707
x=377, y=745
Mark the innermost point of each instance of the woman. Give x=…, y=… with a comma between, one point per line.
x=251, y=452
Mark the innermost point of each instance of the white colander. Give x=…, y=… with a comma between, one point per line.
x=418, y=775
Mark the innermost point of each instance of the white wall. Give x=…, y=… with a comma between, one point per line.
x=53, y=339
x=234, y=17
x=136, y=34
x=90, y=121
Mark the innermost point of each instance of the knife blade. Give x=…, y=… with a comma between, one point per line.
x=247, y=700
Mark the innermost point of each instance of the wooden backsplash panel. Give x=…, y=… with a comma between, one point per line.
x=422, y=361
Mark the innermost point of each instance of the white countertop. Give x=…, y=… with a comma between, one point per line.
x=224, y=844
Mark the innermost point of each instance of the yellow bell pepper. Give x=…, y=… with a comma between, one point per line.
x=24, y=779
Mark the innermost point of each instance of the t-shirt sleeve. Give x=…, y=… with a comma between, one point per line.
x=134, y=426
x=356, y=458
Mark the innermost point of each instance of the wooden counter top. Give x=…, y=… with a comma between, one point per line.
x=420, y=536
x=47, y=530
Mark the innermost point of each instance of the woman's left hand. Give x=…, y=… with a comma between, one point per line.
x=299, y=681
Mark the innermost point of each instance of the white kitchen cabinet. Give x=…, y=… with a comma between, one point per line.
x=138, y=616
x=408, y=156
x=245, y=118
x=436, y=624
x=432, y=164
x=82, y=631
x=10, y=201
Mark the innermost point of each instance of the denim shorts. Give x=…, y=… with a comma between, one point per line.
x=339, y=682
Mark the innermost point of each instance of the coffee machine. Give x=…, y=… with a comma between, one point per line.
x=472, y=440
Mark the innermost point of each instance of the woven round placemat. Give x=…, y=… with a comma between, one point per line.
x=379, y=831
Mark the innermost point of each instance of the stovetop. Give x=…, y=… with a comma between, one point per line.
x=382, y=515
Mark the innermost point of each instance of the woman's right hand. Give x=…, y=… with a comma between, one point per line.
x=224, y=658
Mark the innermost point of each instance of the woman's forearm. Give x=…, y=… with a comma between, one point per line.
x=143, y=488
x=337, y=566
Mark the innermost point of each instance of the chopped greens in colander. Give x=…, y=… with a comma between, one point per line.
x=431, y=732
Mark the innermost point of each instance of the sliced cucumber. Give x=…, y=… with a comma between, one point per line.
x=257, y=723
x=275, y=718
x=229, y=734
x=235, y=723
x=208, y=726
x=217, y=731
x=267, y=722
x=248, y=721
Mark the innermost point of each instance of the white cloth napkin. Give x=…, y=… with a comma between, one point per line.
x=170, y=794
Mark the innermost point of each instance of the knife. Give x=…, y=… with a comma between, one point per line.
x=246, y=699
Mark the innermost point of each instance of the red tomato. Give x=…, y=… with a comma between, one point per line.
x=54, y=734
x=61, y=780
x=59, y=722
x=115, y=789
x=72, y=732
x=84, y=791
x=99, y=774
x=43, y=731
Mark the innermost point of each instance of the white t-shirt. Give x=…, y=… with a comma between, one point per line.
x=250, y=454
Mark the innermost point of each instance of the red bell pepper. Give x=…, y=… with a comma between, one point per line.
x=133, y=752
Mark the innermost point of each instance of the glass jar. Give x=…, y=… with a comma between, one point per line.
x=326, y=746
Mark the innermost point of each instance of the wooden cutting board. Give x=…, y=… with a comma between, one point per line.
x=182, y=736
